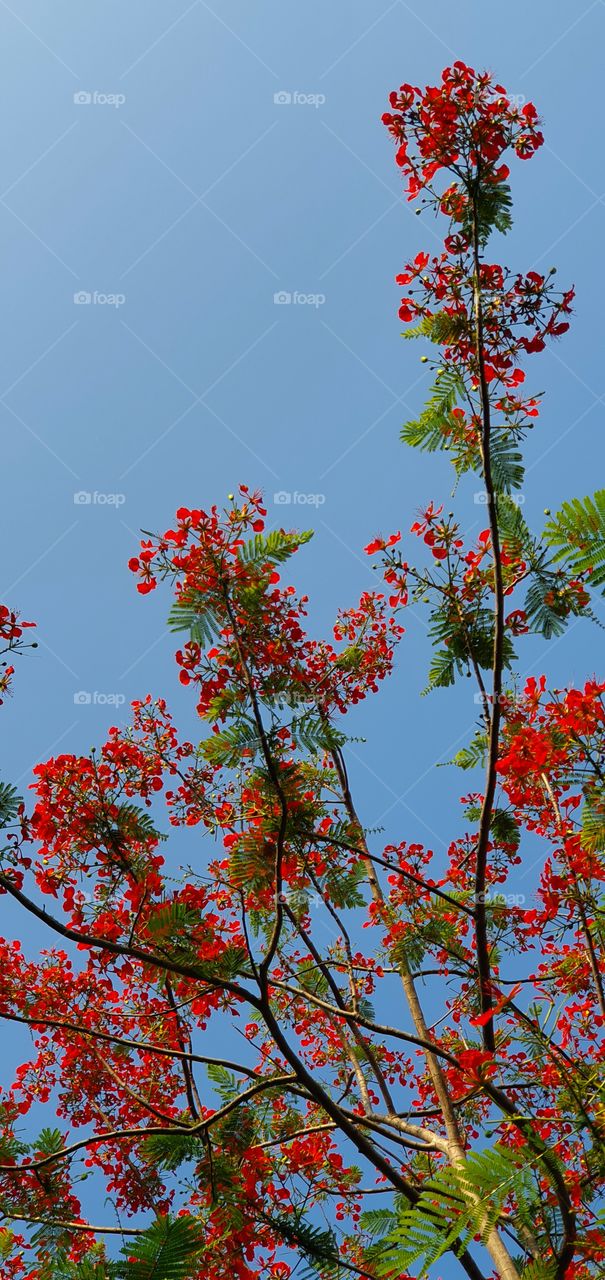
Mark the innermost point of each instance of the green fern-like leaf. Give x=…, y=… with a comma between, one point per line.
x=316, y=734
x=344, y=884
x=377, y=1222
x=9, y=803
x=433, y=428
x=226, y=748
x=169, y=1151
x=538, y=1270
x=136, y=823
x=593, y=821
x=472, y=756
x=504, y=829
x=172, y=921
x=168, y=1250
x=468, y=637
x=318, y=1247
x=543, y=608
x=439, y=328
x=577, y=533
x=191, y=613
x=442, y=671
x=49, y=1142
x=506, y=464
x=91, y=1268
x=273, y=548
x=493, y=209
x=514, y=530
x=454, y=1206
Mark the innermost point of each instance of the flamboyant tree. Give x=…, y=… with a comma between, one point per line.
x=417, y=1087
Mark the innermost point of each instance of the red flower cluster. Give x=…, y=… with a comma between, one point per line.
x=11, y=639
x=464, y=125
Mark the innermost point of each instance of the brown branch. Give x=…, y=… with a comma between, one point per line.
x=121, y=949
x=117, y=1135
x=481, y=935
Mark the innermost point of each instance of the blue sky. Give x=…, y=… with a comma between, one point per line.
x=179, y=196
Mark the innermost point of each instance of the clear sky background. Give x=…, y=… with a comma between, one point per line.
x=180, y=189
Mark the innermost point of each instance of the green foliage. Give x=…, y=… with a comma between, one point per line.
x=546, y=604
x=94, y=1267
x=167, y=1250
x=506, y=464
x=273, y=548
x=513, y=527
x=250, y=862
x=344, y=884
x=540, y=1270
x=135, y=823
x=225, y=748
x=9, y=804
x=543, y=608
x=472, y=756
x=178, y=931
x=593, y=820
x=49, y=1142
x=173, y=922
x=442, y=671
x=466, y=636
x=316, y=734
x=504, y=829
x=578, y=534
x=439, y=328
x=191, y=613
x=318, y=1247
x=168, y=1151
x=455, y=1205
x=377, y=1222
x=10, y=1147
x=494, y=211
x=437, y=932
x=433, y=429
x=224, y=1081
